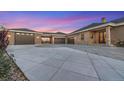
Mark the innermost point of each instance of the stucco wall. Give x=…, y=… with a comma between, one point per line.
x=77, y=39
x=117, y=33
x=86, y=40
x=37, y=38
x=11, y=38
x=96, y=37
x=91, y=37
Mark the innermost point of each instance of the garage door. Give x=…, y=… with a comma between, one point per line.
x=70, y=40
x=24, y=38
x=59, y=40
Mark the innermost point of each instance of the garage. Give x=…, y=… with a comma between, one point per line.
x=59, y=40
x=70, y=40
x=24, y=38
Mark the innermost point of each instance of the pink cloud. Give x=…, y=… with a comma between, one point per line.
x=67, y=20
x=55, y=29
x=30, y=21
x=44, y=24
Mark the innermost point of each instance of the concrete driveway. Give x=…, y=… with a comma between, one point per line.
x=65, y=64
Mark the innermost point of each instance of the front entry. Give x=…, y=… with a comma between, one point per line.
x=46, y=40
x=102, y=37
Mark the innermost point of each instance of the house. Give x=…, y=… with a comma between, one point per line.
x=108, y=33
x=22, y=36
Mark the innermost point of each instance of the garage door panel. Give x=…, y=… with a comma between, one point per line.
x=24, y=39
x=70, y=40
x=59, y=40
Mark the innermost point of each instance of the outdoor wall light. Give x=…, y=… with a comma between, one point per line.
x=31, y=34
x=37, y=37
x=18, y=33
x=22, y=34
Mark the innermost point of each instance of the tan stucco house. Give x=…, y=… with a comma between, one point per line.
x=27, y=36
x=108, y=33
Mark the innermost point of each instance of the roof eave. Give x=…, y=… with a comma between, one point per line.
x=119, y=24
x=103, y=25
x=21, y=31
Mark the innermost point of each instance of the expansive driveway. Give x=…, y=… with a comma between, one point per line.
x=65, y=63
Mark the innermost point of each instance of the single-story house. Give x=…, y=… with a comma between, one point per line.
x=22, y=36
x=108, y=33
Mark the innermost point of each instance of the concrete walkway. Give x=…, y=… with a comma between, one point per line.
x=64, y=63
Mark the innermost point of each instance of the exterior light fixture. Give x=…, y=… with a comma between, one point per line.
x=31, y=34
x=37, y=37
x=22, y=34
x=18, y=33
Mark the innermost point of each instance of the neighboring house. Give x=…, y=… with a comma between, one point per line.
x=108, y=33
x=26, y=36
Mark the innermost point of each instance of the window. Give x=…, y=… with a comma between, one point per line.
x=82, y=36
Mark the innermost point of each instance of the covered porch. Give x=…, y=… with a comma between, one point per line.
x=101, y=36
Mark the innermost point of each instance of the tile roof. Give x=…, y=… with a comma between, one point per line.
x=23, y=29
x=29, y=30
x=119, y=20
x=89, y=26
x=53, y=33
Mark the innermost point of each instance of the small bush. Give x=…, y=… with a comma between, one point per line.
x=120, y=44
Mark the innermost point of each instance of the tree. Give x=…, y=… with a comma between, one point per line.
x=3, y=39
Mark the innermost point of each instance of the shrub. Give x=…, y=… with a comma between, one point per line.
x=120, y=44
x=4, y=61
x=3, y=39
x=4, y=66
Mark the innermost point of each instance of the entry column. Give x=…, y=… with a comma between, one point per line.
x=66, y=40
x=52, y=39
x=108, y=36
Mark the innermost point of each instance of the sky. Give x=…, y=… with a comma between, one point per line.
x=55, y=21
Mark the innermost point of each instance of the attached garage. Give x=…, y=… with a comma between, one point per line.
x=24, y=38
x=70, y=40
x=59, y=40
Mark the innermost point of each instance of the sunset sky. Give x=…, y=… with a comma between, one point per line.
x=59, y=21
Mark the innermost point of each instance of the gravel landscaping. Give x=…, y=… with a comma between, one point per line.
x=9, y=70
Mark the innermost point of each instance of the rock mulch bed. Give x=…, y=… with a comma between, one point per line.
x=14, y=73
